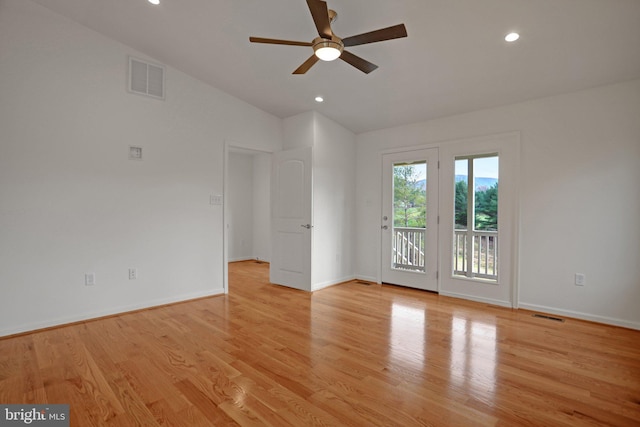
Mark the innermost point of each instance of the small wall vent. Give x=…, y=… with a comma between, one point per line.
x=146, y=78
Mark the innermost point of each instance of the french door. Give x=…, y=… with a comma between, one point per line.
x=410, y=219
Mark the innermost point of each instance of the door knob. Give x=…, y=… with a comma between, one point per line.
x=307, y=226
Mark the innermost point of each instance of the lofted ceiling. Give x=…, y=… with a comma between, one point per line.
x=454, y=59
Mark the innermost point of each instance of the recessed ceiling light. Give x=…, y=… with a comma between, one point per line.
x=511, y=37
x=319, y=99
x=154, y=1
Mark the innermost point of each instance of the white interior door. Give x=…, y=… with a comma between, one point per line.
x=409, y=220
x=291, y=218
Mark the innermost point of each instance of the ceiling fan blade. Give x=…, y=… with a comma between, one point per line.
x=320, y=14
x=277, y=41
x=389, y=33
x=306, y=65
x=361, y=64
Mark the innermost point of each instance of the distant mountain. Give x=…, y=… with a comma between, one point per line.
x=481, y=183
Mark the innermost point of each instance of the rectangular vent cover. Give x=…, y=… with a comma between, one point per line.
x=146, y=78
x=544, y=316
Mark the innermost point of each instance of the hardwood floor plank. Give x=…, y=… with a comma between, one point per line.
x=192, y=417
x=350, y=355
x=206, y=404
x=147, y=383
x=135, y=412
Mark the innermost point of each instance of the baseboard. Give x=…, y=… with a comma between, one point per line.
x=318, y=286
x=254, y=259
x=241, y=259
x=31, y=327
x=490, y=301
x=579, y=315
x=367, y=278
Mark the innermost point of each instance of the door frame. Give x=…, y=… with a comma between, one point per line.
x=432, y=259
x=230, y=146
x=507, y=145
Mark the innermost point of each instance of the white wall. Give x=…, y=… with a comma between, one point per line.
x=240, y=199
x=333, y=194
x=579, y=198
x=299, y=131
x=70, y=200
x=334, y=177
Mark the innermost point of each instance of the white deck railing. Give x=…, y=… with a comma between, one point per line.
x=408, y=248
x=482, y=261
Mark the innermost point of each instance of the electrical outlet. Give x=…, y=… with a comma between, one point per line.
x=89, y=279
x=580, y=279
x=133, y=274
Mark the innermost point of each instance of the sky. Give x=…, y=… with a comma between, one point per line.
x=485, y=167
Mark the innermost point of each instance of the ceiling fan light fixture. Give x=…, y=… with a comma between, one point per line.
x=328, y=49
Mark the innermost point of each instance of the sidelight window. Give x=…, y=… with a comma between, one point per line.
x=475, y=234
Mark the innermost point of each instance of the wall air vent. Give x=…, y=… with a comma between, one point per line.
x=146, y=78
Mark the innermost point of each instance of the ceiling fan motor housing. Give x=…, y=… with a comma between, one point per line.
x=333, y=47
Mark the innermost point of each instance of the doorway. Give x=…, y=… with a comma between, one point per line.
x=247, y=207
x=410, y=219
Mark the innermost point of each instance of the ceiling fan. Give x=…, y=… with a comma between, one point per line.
x=328, y=46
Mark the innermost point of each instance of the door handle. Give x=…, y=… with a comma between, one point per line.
x=385, y=227
x=307, y=226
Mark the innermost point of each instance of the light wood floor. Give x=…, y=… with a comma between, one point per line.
x=352, y=354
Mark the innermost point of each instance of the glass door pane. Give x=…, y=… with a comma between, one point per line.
x=409, y=215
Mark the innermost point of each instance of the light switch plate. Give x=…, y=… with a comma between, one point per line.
x=90, y=279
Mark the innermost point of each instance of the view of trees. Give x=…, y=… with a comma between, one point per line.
x=409, y=197
x=486, y=207
x=409, y=201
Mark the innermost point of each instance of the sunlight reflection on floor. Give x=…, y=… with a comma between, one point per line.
x=473, y=356
x=408, y=334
